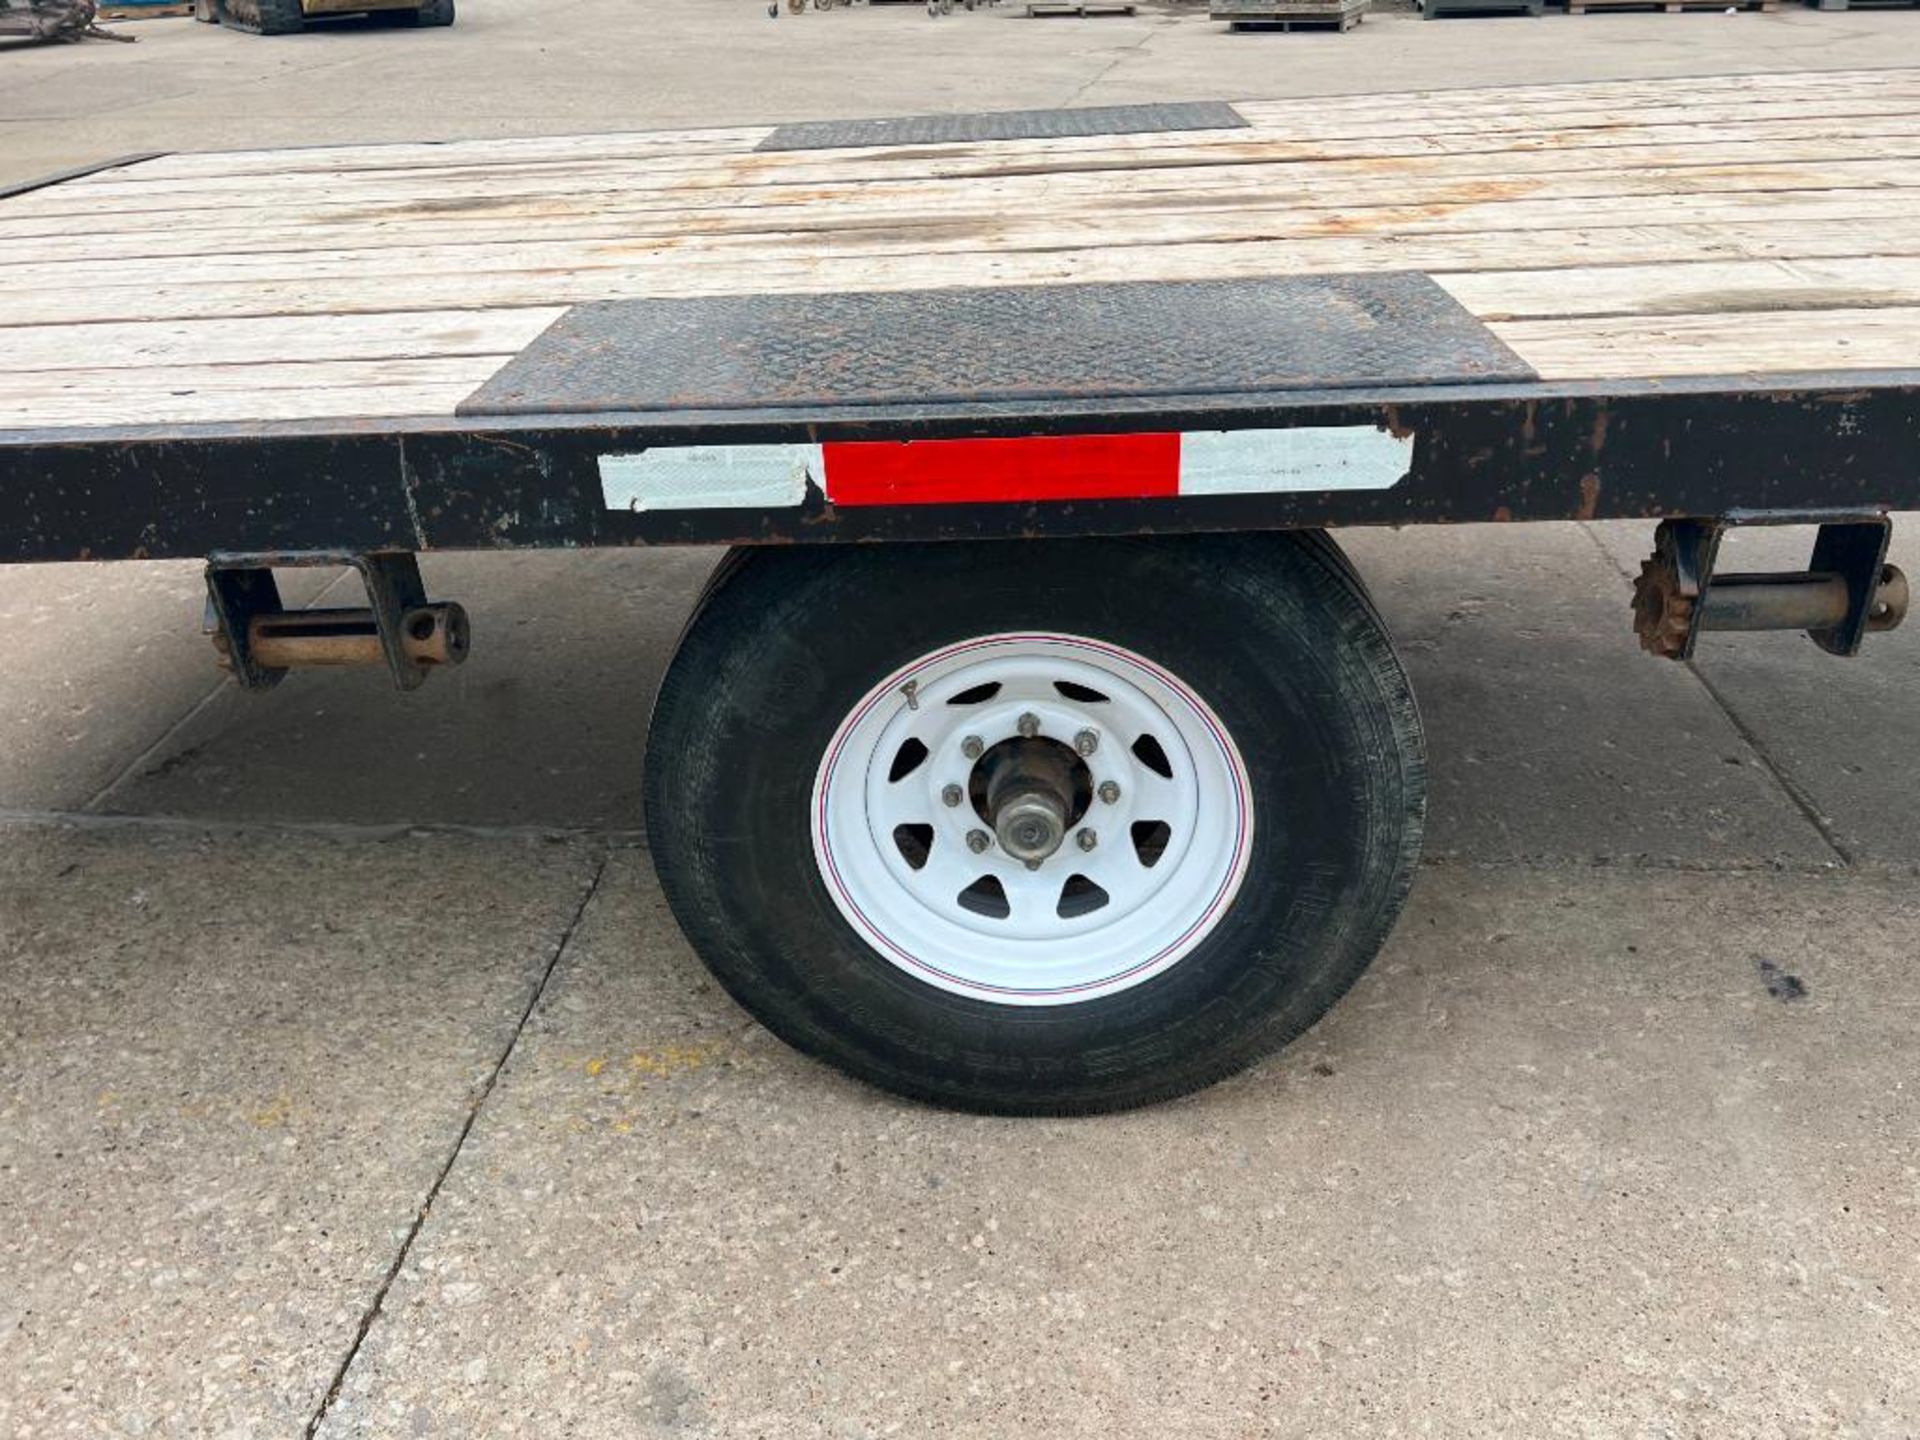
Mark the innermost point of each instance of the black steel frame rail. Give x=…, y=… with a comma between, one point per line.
x=1843, y=441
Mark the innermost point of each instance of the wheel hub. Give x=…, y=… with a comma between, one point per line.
x=1030, y=791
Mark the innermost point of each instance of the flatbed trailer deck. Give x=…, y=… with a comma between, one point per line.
x=1695, y=299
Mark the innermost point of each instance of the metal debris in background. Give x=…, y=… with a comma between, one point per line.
x=1013, y=343
x=54, y=22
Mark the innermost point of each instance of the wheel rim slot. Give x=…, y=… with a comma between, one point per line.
x=986, y=896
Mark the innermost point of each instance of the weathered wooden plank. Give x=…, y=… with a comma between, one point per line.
x=1261, y=189
x=441, y=191
x=1716, y=287
x=1626, y=229
x=267, y=339
x=455, y=209
x=690, y=273
x=140, y=282
x=1582, y=349
x=197, y=394
x=1781, y=342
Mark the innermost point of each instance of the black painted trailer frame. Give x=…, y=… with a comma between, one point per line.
x=1795, y=446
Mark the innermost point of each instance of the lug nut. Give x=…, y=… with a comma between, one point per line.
x=952, y=795
x=978, y=841
x=971, y=747
x=1110, y=792
x=1086, y=742
x=1086, y=839
x=1029, y=725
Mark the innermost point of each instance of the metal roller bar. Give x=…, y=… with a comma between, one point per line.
x=297, y=639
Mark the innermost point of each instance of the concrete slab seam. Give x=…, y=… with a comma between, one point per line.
x=480, y=1099
x=1796, y=794
x=1790, y=787
x=1126, y=53
x=346, y=832
x=139, y=762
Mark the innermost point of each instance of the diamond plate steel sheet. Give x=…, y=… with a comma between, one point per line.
x=1005, y=125
x=1029, y=344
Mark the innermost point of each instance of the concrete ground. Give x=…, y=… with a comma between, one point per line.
x=354, y=1080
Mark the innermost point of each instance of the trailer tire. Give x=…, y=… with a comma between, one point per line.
x=1288, y=754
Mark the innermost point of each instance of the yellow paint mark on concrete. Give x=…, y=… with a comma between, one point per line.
x=666, y=1060
x=277, y=1114
x=596, y=1065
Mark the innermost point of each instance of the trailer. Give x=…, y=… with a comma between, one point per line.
x=1035, y=749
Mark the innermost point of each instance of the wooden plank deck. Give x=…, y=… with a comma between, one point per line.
x=1630, y=230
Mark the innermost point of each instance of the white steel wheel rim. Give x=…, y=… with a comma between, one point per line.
x=1172, y=833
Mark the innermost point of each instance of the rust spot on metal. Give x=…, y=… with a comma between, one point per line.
x=1589, y=496
x=430, y=635
x=1502, y=514
x=1395, y=426
x=1662, y=605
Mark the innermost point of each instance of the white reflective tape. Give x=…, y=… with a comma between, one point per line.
x=1212, y=462
x=1311, y=457
x=711, y=477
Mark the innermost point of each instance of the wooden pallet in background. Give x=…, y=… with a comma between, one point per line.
x=1285, y=15
x=1671, y=7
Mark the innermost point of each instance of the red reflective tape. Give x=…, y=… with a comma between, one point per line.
x=1034, y=467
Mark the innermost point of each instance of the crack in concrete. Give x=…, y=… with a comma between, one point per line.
x=138, y=764
x=1790, y=787
x=480, y=1099
x=1126, y=54
x=1796, y=794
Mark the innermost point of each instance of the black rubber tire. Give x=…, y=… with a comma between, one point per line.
x=1274, y=630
